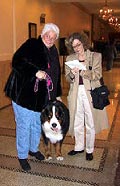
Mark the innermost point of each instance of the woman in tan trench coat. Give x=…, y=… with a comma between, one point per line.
x=82, y=113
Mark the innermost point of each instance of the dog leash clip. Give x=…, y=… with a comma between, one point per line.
x=49, y=85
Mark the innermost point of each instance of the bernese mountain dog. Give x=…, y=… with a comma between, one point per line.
x=55, y=125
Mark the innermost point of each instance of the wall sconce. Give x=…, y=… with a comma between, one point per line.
x=42, y=18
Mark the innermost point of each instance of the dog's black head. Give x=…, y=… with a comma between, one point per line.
x=55, y=119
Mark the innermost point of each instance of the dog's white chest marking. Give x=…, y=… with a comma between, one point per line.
x=52, y=129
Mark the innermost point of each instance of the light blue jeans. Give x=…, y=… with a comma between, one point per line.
x=28, y=130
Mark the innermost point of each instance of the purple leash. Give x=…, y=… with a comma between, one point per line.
x=49, y=84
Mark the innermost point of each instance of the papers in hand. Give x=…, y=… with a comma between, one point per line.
x=75, y=63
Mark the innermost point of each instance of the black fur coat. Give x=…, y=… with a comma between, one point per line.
x=32, y=56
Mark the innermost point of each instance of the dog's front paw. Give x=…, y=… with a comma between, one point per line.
x=60, y=158
x=48, y=158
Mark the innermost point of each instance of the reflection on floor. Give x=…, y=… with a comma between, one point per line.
x=72, y=171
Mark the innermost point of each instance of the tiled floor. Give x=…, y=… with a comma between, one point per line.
x=104, y=170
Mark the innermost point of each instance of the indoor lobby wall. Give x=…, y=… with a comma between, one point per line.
x=15, y=16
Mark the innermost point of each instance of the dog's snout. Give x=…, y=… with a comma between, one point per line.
x=54, y=125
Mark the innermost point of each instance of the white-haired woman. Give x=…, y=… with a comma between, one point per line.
x=33, y=81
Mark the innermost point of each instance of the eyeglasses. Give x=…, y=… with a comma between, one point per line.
x=47, y=36
x=76, y=46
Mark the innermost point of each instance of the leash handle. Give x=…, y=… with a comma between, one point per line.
x=49, y=85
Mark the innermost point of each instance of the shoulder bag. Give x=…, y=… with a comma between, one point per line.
x=100, y=95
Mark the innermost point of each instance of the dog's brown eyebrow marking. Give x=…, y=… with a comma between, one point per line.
x=50, y=114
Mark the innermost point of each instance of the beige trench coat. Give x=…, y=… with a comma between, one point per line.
x=90, y=79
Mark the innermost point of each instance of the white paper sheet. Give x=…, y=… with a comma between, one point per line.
x=75, y=63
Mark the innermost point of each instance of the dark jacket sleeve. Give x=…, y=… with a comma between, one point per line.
x=27, y=60
x=23, y=58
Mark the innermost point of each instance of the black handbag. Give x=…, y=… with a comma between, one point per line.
x=100, y=95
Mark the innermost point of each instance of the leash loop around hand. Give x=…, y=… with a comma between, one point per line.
x=49, y=84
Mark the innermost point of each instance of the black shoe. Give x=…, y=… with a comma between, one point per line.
x=89, y=156
x=73, y=152
x=37, y=155
x=24, y=164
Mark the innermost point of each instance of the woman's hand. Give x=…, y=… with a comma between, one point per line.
x=41, y=74
x=75, y=70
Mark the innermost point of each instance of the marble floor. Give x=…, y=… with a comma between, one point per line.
x=104, y=170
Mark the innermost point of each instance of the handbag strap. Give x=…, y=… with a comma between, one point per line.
x=90, y=68
x=91, y=60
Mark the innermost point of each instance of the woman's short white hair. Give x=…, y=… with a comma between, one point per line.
x=50, y=26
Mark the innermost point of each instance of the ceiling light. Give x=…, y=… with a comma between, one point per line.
x=113, y=20
x=105, y=13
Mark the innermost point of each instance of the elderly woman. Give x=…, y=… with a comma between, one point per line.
x=34, y=80
x=85, y=121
